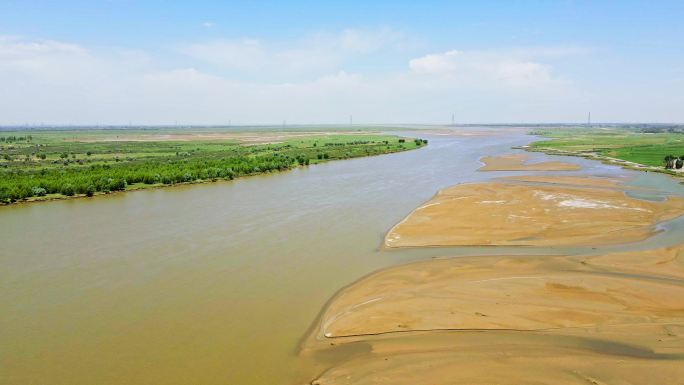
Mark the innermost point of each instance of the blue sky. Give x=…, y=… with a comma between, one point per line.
x=205, y=62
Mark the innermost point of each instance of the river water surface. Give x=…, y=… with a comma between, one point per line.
x=216, y=283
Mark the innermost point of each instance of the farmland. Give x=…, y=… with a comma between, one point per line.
x=637, y=146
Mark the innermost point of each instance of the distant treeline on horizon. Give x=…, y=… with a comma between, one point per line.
x=644, y=127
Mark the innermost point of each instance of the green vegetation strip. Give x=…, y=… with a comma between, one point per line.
x=646, y=148
x=46, y=165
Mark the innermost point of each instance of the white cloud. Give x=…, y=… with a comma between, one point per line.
x=62, y=82
x=37, y=56
x=12, y=48
x=483, y=67
x=359, y=42
x=320, y=52
x=208, y=24
x=446, y=62
x=522, y=73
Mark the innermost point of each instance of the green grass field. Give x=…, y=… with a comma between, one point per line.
x=36, y=165
x=634, y=146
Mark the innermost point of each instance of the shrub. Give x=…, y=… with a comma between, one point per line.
x=67, y=190
x=117, y=185
x=37, y=191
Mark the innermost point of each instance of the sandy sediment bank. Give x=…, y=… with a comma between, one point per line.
x=503, y=357
x=666, y=263
x=533, y=211
x=510, y=293
x=507, y=358
x=615, y=318
x=517, y=162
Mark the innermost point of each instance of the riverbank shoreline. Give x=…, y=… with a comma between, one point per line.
x=590, y=155
x=142, y=186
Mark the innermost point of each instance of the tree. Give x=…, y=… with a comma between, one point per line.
x=669, y=161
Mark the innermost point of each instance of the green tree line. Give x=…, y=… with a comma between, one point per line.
x=19, y=183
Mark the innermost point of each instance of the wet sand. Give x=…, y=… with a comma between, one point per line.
x=517, y=162
x=568, y=180
x=504, y=358
x=615, y=318
x=533, y=211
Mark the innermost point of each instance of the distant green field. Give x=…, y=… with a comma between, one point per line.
x=47, y=164
x=644, y=148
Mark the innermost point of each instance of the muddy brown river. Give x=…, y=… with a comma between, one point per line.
x=217, y=283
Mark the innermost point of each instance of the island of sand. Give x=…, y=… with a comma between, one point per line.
x=610, y=318
x=518, y=162
x=533, y=211
x=510, y=320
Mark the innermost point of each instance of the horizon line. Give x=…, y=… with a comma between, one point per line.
x=340, y=125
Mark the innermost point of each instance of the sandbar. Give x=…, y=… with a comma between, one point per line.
x=602, y=318
x=510, y=320
x=533, y=211
x=517, y=162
